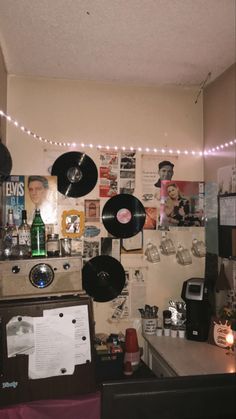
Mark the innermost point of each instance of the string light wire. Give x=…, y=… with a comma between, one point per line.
x=155, y=150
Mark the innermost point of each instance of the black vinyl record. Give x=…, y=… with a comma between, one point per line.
x=123, y=216
x=5, y=162
x=76, y=174
x=103, y=278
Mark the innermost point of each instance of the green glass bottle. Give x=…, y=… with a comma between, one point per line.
x=37, y=233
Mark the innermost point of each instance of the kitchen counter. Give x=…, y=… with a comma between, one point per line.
x=168, y=356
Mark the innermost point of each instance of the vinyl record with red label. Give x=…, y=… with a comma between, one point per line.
x=76, y=174
x=103, y=278
x=123, y=215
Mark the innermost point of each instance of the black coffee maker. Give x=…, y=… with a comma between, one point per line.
x=195, y=293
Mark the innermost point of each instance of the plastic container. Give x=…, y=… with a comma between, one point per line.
x=159, y=331
x=173, y=331
x=166, y=319
x=149, y=325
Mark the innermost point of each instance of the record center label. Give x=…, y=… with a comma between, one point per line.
x=124, y=216
x=74, y=174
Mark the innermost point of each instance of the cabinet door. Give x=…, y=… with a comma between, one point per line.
x=159, y=367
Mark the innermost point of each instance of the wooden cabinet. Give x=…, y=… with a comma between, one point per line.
x=169, y=357
x=159, y=366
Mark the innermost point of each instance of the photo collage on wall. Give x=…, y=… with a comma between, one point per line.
x=167, y=203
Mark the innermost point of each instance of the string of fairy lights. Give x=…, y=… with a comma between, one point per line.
x=72, y=144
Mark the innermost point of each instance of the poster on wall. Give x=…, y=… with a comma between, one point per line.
x=110, y=247
x=182, y=204
x=127, y=172
x=133, y=296
x=108, y=174
x=151, y=218
x=155, y=169
x=211, y=217
x=41, y=192
x=92, y=210
x=226, y=179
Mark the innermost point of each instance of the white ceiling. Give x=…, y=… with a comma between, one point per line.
x=126, y=41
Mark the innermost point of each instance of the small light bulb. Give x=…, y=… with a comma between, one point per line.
x=229, y=338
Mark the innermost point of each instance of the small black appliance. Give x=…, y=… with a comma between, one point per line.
x=195, y=293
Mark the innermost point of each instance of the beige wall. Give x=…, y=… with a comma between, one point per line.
x=101, y=113
x=219, y=121
x=3, y=96
x=112, y=114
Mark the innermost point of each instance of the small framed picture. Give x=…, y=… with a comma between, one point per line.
x=72, y=224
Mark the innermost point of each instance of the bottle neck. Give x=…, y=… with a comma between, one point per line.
x=10, y=221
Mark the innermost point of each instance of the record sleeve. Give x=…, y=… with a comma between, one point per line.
x=103, y=278
x=76, y=174
x=123, y=216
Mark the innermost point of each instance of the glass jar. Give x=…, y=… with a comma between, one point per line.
x=53, y=245
x=66, y=246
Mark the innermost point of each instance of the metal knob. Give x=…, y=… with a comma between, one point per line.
x=15, y=269
x=66, y=266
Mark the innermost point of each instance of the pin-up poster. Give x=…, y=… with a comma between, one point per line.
x=182, y=204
